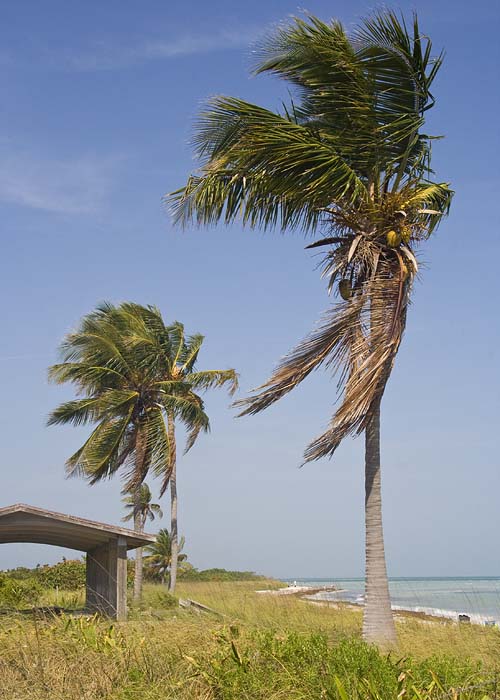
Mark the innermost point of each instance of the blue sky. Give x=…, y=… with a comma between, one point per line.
x=98, y=104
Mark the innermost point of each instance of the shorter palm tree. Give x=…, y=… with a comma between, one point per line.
x=159, y=559
x=140, y=509
x=116, y=362
x=142, y=506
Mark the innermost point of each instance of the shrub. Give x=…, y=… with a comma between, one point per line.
x=68, y=574
x=20, y=573
x=16, y=594
x=193, y=574
x=164, y=600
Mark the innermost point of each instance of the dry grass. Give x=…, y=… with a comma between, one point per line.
x=419, y=638
x=172, y=653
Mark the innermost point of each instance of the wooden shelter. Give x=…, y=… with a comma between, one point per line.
x=106, y=547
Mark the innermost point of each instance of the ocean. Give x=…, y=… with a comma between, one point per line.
x=478, y=597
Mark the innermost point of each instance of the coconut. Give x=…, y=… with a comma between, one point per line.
x=345, y=289
x=393, y=239
x=406, y=234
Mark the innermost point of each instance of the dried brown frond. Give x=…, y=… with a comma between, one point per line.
x=358, y=339
x=372, y=352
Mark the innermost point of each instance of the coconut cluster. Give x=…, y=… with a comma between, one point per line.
x=400, y=233
x=367, y=235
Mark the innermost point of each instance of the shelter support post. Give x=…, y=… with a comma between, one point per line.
x=106, y=579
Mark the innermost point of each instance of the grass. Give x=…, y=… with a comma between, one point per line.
x=259, y=648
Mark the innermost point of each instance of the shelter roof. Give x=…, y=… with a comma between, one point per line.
x=23, y=523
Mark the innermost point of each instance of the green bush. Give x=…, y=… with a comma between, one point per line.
x=163, y=600
x=193, y=574
x=68, y=575
x=17, y=594
x=21, y=573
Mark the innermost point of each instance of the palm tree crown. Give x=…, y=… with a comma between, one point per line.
x=347, y=159
x=141, y=504
x=159, y=554
x=131, y=369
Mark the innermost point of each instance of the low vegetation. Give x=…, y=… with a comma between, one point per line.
x=256, y=648
x=58, y=583
x=193, y=574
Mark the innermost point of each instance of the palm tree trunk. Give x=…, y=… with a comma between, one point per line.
x=174, y=538
x=378, y=622
x=138, y=527
x=138, y=516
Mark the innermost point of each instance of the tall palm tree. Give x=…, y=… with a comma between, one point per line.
x=346, y=160
x=137, y=378
x=140, y=508
x=159, y=554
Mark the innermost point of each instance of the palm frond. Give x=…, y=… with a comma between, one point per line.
x=85, y=376
x=214, y=379
x=94, y=461
x=177, y=339
x=228, y=194
x=188, y=409
x=277, y=170
x=94, y=408
x=191, y=351
x=328, y=344
x=358, y=340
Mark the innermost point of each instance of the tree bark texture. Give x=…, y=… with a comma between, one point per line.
x=138, y=527
x=174, y=537
x=378, y=622
x=140, y=449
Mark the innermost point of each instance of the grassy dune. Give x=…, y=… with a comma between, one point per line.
x=260, y=647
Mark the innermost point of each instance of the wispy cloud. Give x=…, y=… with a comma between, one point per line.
x=109, y=56
x=78, y=186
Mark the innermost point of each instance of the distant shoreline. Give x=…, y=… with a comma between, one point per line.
x=420, y=611
x=429, y=603
x=299, y=590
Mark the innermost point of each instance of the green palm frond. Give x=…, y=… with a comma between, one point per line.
x=214, y=379
x=95, y=460
x=86, y=376
x=158, y=446
x=187, y=408
x=178, y=340
x=277, y=170
x=191, y=351
x=94, y=408
x=226, y=195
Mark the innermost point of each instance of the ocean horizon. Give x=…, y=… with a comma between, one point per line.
x=443, y=596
